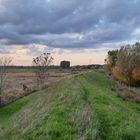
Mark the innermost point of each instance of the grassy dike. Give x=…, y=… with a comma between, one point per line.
x=80, y=108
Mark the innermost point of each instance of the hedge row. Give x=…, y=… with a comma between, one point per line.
x=124, y=64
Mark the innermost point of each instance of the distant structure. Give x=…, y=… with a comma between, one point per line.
x=65, y=64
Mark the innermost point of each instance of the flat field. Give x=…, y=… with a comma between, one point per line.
x=17, y=78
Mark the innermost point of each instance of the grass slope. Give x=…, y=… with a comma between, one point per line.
x=83, y=107
x=7, y=111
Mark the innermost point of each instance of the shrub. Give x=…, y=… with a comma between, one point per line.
x=124, y=64
x=41, y=64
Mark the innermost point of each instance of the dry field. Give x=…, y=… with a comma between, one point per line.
x=16, y=81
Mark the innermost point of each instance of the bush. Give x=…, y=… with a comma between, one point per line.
x=124, y=64
x=41, y=64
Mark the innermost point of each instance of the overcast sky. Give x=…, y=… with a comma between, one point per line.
x=78, y=30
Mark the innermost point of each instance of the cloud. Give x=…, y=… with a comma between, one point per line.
x=67, y=24
x=4, y=50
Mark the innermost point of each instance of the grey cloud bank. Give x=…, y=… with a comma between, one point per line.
x=67, y=24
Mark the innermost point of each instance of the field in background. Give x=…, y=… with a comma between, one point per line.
x=17, y=78
x=20, y=77
x=82, y=107
x=30, y=70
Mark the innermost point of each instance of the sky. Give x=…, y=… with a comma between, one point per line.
x=81, y=31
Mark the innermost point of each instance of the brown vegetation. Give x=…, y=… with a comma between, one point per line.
x=4, y=63
x=127, y=95
x=22, y=84
x=124, y=64
x=41, y=64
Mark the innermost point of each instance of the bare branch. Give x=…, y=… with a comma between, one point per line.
x=41, y=64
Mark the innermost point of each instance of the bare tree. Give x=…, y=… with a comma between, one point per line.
x=4, y=63
x=41, y=64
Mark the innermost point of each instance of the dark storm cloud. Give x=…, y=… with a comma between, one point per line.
x=67, y=24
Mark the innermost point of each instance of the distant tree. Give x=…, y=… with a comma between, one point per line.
x=41, y=64
x=4, y=63
x=65, y=64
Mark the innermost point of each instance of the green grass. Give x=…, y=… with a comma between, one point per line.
x=80, y=108
x=7, y=111
x=118, y=119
